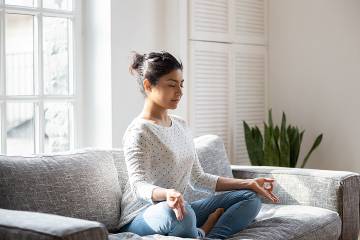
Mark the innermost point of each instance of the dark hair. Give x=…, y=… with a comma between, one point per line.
x=152, y=66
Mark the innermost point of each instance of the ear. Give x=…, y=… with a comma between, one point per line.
x=147, y=85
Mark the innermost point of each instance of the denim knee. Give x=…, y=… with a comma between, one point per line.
x=257, y=203
x=250, y=194
x=166, y=221
x=187, y=226
x=252, y=197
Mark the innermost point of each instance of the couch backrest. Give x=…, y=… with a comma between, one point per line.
x=82, y=184
x=86, y=183
x=213, y=159
x=120, y=165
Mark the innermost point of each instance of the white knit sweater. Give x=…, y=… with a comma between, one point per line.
x=159, y=156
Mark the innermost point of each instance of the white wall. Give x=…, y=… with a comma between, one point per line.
x=143, y=26
x=112, y=29
x=314, y=75
x=96, y=85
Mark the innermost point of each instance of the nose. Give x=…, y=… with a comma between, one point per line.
x=179, y=92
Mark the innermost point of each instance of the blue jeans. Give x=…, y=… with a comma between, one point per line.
x=241, y=208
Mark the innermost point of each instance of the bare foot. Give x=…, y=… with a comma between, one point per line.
x=212, y=219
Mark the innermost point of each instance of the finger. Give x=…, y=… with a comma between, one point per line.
x=176, y=201
x=179, y=210
x=176, y=213
x=275, y=197
x=183, y=205
x=269, y=179
x=270, y=197
x=172, y=198
x=176, y=195
x=181, y=214
x=268, y=186
x=267, y=195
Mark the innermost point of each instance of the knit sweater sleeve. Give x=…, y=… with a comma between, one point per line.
x=137, y=163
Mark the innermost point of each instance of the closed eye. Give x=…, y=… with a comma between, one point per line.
x=175, y=86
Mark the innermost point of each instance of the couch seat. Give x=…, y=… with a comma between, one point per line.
x=277, y=222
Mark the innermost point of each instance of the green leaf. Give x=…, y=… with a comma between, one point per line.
x=278, y=146
x=283, y=122
x=276, y=133
x=260, y=143
x=284, y=144
x=253, y=147
x=275, y=152
x=297, y=152
x=294, y=147
x=315, y=145
x=270, y=119
x=267, y=146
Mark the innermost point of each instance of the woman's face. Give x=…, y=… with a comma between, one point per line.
x=168, y=90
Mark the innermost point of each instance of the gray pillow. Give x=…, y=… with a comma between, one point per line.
x=81, y=184
x=213, y=159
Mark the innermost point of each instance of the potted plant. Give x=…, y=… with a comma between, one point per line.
x=278, y=147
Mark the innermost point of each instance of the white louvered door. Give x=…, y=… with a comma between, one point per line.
x=249, y=21
x=209, y=90
x=228, y=75
x=249, y=102
x=210, y=20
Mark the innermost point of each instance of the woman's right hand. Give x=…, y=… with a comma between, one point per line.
x=176, y=202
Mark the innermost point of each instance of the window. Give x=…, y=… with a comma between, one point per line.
x=38, y=96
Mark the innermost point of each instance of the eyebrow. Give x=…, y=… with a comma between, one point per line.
x=170, y=79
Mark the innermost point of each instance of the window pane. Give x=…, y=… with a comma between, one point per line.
x=58, y=4
x=58, y=126
x=23, y=3
x=19, y=33
x=56, y=55
x=20, y=128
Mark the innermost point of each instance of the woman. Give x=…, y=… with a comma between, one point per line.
x=161, y=161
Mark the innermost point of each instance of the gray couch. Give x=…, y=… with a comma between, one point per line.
x=77, y=195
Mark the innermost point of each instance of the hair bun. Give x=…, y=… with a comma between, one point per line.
x=136, y=63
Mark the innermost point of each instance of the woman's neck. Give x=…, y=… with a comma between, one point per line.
x=152, y=111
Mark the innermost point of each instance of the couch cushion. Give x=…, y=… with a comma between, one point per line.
x=21, y=225
x=276, y=222
x=81, y=184
x=292, y=222
x=213, y=159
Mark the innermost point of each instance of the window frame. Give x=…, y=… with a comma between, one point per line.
x=39, y=98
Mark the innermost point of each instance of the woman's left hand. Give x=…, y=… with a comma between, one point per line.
x=264, y=187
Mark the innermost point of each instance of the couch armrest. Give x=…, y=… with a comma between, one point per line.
x=334, y=190
x=21, y=225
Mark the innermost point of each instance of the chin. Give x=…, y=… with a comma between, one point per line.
x=173, y=106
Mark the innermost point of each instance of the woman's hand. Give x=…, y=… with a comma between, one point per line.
x=175, y=201
x=264, y=187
